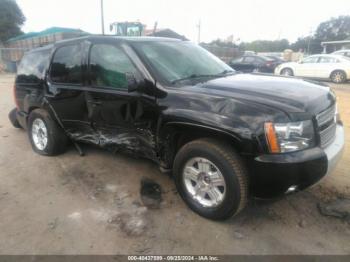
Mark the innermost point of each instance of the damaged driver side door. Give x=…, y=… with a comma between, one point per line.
x=121, y=120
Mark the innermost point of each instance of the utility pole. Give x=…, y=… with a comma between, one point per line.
x=308, y=43
x=199, y=32
x=102, y=19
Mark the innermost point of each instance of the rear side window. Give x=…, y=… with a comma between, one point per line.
x=249, y=59
x=324, y=59
x=237, y=60
x=66, y=65
x=32, y=67
x=109, y=65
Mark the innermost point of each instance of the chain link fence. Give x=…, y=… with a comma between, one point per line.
x=9, y=59
x=226, y=54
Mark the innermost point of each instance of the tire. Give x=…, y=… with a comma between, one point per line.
x=231, y=168
x=56, y=142
x=338, y=77
x=287, y=72
x=13, y=118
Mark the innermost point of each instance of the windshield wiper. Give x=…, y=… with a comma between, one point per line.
x=194, y=76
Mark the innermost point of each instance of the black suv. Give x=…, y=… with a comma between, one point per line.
x=221, y=133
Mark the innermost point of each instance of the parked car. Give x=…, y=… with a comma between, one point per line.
x=224, y=135
x=333, y=67
x=254, y=63
x=276, y=58
x=344, y=52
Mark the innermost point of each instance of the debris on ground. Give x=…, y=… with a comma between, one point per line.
x=179, y=218
x=134, y=223
x=302, y=223
x=238, y=235
x=53, y=224
x=339, y=208
x=151, y=193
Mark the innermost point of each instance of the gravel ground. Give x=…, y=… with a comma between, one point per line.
x=91, y=205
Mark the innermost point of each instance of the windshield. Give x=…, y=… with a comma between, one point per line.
x=177, y=61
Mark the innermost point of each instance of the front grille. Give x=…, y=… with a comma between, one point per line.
x=326, y=126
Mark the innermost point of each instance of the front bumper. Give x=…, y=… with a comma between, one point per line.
x=275, y=174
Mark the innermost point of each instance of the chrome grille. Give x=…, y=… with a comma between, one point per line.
x=326, y=126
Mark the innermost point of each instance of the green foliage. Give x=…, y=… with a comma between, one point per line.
x=308, y=44
x=334, y=29
x=220, y=43
x=330, y=30
x=11, y=19
x=265, y=45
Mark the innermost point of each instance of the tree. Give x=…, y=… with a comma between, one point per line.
x=11, y=19
x=309, y=44
x=265, y=45
x=334, y=29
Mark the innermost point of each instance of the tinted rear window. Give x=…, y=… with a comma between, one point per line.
x=66, y=65
x=32, y=67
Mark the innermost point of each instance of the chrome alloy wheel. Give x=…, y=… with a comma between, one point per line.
x=286, y=72
x=39, y=134
x=204, y=182
x=338, y=77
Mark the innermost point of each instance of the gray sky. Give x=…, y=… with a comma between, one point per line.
x=245, y=19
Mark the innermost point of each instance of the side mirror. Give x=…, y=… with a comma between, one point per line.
x=131, y=82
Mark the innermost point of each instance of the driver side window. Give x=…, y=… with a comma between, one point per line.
x=109, y=65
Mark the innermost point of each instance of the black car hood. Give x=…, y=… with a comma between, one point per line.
x=291, y=95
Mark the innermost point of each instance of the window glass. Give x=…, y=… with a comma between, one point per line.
x=237, y=60
x=249, y=59
x=174, y=60
x=66, y=65
x=312, y=59
x=32, y=67
x=324, y=59
x=109, y=65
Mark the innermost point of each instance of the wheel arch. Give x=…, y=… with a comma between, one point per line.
x=176, y=134
x=338, y=70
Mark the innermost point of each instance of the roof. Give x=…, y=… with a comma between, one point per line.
x=329, y=55
x=346, y=41
x=120, y=38
x=109, y=37
x=48, y=31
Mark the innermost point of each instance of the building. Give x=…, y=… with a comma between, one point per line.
x=15, y=47
x=332, y=46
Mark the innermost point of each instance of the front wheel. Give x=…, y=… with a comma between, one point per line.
x=211, y=179
x=287, y=72
x=338, y=77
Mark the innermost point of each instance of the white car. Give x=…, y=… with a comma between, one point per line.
x=334, y=67
x=344, y=52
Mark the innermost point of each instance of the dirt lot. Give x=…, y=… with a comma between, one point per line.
x=91, y=205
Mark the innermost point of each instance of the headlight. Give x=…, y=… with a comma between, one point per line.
x=289, y=137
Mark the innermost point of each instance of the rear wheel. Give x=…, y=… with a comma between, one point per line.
x=13, y=118
x=211, y=178
x=338, y=77
x=46, y=137
x=287, y=72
